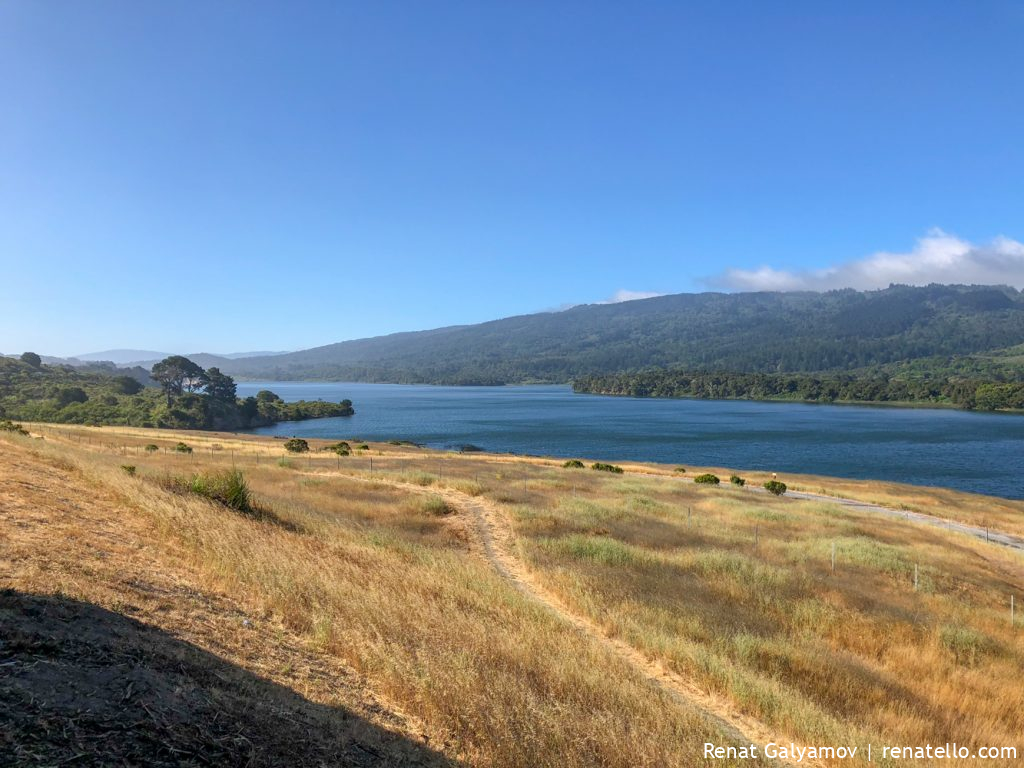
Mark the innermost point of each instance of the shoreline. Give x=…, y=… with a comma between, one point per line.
x=863, y=490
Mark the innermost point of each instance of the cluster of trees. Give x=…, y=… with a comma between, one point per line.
x=187, y=397
x=968, y=393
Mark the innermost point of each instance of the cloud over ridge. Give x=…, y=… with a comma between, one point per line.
x=938, y=257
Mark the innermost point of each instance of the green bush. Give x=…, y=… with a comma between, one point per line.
x=129, y=469
x=363, y=447
x=183, y=448
x=737, y=480
x=9, y=426
x=573, y=464
x=680, y=469
x=600, y=467
x=435, y=505
x=776, y=487
x=967, y=645
x=296, y=445
x=707, y=479
x=227, y=487
x=341, y=448
x=151, y=448
x=68, y=395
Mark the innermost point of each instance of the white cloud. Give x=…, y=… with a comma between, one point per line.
x=936, y=258
x=622, y=295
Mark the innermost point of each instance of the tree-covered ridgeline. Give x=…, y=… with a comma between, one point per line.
x=975, y=394
x=187, y=397
x=767, y=332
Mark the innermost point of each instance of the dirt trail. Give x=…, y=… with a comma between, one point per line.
x=498, y=545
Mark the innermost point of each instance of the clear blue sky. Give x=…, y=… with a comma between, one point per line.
x=242, y=175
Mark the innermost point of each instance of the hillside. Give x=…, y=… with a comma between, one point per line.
x=742, y=332
x=487, y=610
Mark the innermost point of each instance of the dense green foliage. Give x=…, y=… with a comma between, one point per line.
x=602, y=467
x=869, y=387
x=573, y=464
x=296, y=445
x=744, y=332
x=189, y=398
x=707, y=479
x=776, y=487
x=737, y=480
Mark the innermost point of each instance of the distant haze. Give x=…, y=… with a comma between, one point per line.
x=134, y=356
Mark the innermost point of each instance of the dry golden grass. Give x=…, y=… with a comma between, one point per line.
x=405, y=595
x=398, y=594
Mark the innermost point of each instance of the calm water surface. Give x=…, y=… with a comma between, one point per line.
x=956, y=449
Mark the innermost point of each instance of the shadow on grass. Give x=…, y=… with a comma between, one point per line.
x=82, y=685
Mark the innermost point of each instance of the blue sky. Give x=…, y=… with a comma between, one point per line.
x=231, y=176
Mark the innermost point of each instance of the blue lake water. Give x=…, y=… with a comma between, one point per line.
x=967, y=451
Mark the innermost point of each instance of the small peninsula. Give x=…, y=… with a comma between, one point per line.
x=176, y=394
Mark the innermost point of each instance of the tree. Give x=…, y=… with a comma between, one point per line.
x=126, y=385
x=249, y=409
x=776, y=487
x=266, y=396
x=32, y=359
x=220, y=386
x=68, y=395
x=177, y=374
x=296, y=445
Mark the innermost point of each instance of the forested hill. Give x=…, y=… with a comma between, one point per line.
x=740, y=332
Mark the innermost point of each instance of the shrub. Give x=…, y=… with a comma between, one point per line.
x=775, y=487
x=680, y=469
x=600, y=467
x=737, y=480
x=296, y=445
x=9, y=426
x=363, y=447
x=126, y=385
x=151, y=448
x=129, y=469
x=68, y=395
x=707, y=479
x=31, y=358
x=966, y=644
x=341, y=448
x=435, y=505
x=573, y=464
x=227, y=487
x=183, y=448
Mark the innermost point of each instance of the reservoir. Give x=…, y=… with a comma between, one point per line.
x=963, y=450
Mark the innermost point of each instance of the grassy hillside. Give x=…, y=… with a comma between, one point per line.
x=528, y=614
x=745, y=332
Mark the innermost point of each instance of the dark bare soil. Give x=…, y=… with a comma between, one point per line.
x=81, y=685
